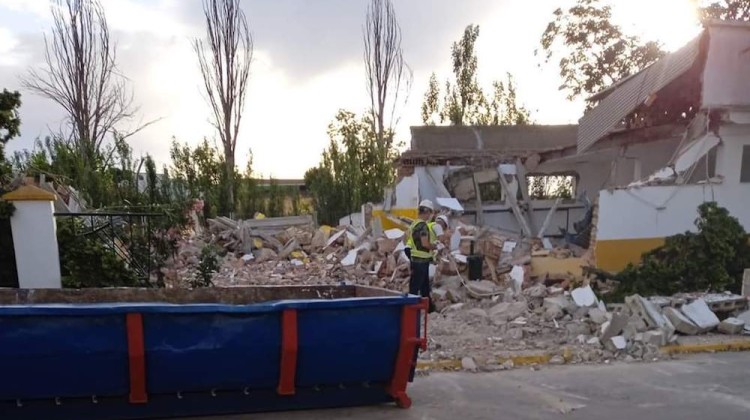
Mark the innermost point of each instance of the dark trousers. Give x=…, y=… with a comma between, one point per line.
x=419, y=282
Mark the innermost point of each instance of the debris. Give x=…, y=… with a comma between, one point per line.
x=598, y=316
x=618, y=342
x=732, y=326
x=584, y=296
x=557, y=360
x=654, y=337
x=701, y=315
x=467, y=363
x=615, y=326
x=681, y=323
x=507, y=311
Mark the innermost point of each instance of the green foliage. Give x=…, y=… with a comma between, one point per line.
x=207, y=268
x=725, y=10
x=10, y=123
x=593, y=52
x=85, y=262
x=713, y=259
x=464, y=101
x=353, y=170
x=548, y=187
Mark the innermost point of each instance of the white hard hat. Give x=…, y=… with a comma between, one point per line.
x=442, y=217
x=427, y=204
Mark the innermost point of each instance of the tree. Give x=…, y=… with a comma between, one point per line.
x=465, y=98
x=10, y=122
x=224, y=59
x=352, y=170
x=726, y=10
x=593, y=51
x=385, y=68
x=464, y=102
x=80, y=74
x=431, y=103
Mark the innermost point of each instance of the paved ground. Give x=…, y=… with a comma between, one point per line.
x=714, y=386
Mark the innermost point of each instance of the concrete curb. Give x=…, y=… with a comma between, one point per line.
x=735, y=345
x=544, y=358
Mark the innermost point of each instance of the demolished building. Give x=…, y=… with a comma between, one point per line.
x=655, y=146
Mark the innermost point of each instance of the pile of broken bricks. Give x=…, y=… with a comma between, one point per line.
x=575, y=327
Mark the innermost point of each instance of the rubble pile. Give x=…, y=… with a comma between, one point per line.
x=532, y=295
x=574, y=327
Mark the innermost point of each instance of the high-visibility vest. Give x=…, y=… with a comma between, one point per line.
x=415, y=252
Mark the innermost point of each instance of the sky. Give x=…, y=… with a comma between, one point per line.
x=307, y=65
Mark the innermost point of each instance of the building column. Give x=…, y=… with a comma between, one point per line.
x=35, y=238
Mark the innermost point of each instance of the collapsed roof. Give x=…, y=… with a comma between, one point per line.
x=708, y=73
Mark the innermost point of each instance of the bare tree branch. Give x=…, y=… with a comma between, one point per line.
x=80, y=74
x=224, y=58
x=387, y=74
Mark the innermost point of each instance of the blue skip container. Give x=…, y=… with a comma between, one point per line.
x=153, y=353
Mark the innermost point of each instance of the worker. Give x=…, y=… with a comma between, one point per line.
x=440, y=225
x=421, y=242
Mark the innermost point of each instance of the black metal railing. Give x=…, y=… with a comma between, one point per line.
x=128, y=236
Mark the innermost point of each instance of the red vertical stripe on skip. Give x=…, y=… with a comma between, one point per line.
x=136, y=358
x=408, y=346
x=288, y=352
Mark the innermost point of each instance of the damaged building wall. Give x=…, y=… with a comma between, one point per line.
x=635, y=220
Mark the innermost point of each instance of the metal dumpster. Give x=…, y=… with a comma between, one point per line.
x=149, y=353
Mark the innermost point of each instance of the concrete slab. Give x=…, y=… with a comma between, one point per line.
x=681, y=323
x=584, y=296
x=732, y=326
x=615, y=326
x=701, y=315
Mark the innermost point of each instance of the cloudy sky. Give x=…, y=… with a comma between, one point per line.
x=308, y=64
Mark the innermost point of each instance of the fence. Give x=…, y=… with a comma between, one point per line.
x=128, y=236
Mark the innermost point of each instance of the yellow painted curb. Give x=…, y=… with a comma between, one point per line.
x=544, y=358
x=740, y=345
x=521, y=360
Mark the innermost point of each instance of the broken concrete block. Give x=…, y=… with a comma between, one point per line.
x=654, y=337
x=478, y=312
x=565, y=303
x=650, y=313
x=247, y=258
x=508, y=310
x=594, y=341
x=455, y=295
x=615, y=326
x=467, y=363
x=618, y=342
x=264, y=254
x=385, y=245
x=350, y=259
x=515, y=334
x=744, y=316
x=598, y=316
x=517, y=276
x=584, y=296
x=483, y=287
x=746, y=283
x=732, y=326
x=701, y=315
x=439, y=294
x=681, y=323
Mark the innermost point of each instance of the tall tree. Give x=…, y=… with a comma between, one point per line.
x=593, y=52
x=388, y=76
x=464, y=98
x=80, y=74
x=431, y=103
x=224, y=58
x=464, y=102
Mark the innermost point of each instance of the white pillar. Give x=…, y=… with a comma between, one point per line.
x=35, y=238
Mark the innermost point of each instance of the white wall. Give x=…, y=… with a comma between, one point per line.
x=35, y=242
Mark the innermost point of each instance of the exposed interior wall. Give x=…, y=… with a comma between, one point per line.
x=635, y=220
